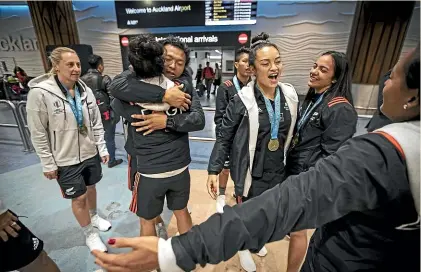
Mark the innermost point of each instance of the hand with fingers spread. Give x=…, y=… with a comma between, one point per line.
x=151, y=122
x=8, y=226
x=142, y=257
x=175, y=97
x=212, y=185
x=51, y=175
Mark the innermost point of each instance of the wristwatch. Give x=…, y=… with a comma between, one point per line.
x=170, y=122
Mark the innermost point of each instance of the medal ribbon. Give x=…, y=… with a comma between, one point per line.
x=274, y=117
x=76, y=106
x=237, y=84
x=308, y=112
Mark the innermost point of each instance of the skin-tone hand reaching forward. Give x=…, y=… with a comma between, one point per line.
x=212, y=185
x=176, y=98
x=142, y=257
x=8, y=226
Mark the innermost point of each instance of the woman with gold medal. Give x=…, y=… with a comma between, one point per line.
x=326, y=120
x=256, y=130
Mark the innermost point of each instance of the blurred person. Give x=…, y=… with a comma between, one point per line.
x=100, y=86
x=208, y=75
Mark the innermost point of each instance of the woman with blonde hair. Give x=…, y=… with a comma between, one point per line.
x=68, y=136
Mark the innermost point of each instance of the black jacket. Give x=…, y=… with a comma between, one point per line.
x=92, y=78
x=379, y=119
x=355, y=198
x=225, y=93
x=233, y=140
x=332, y=123
x=163, y=150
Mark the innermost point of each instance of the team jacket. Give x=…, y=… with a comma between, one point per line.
x=225, y=93
x=162, y=150
x=332, y=123
x=237, y=137
x=359, y=199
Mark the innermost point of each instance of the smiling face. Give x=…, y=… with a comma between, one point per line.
x=267, y=67
x=322, y=73
x=175, y=61
x=68, y=69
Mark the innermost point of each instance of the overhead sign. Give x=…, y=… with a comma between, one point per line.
x=233, y=39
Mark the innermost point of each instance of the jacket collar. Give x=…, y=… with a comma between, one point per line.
x=50, y=84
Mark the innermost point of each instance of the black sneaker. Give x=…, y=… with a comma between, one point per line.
x=115, y=163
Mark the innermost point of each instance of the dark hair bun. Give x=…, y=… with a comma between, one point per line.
x=262, y=37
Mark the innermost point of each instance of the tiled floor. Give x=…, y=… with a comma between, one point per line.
x=27, y=192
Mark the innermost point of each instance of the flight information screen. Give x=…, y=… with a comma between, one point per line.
x=236, y=12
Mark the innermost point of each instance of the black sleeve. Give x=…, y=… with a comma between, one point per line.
x=127, y=88
x=364, y=174
x=106, y=82
x=341, y=123
x=225, y=136
x=221, y=106
x=125, y=110
x=192, y=120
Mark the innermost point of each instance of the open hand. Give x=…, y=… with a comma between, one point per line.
x=8, y=226
x=142, y=257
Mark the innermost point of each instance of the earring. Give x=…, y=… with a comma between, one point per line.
x=334, y=81
x=405, y=106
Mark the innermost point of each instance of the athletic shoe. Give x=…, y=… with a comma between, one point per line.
x=263, y=252
x=94, y=242
x=246, y=261
x=220, y=203
x=161, y=231
x=100, y=224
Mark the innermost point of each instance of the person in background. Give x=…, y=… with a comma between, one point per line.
x=100, y=85
x=208, y=75
x=256, y=131
x=364, y=201
x=20, y=249
x=218, y=76
x=68, y=136
x=22, y=76
x=327, y=119
x=198, y=77
x=164, y=172
x=379, y=119
x=224, y=95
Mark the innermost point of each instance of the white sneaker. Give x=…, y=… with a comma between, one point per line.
x=263, y=252
x=100, y=224
x=161, y=231
x=220, y=203
x=94, y=242
x=246, y=261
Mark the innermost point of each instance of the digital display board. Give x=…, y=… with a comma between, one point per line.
x=238, y=12
x=150, y=14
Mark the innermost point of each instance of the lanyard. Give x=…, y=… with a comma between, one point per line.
x=274, y=117
x=76, y=106
x=308, y=112
x=236, y=84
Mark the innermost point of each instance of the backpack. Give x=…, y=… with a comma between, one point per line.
x=102, y=100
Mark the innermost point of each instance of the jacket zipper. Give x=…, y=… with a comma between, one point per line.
x=55, y=140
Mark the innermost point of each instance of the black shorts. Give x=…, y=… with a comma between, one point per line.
x=20, y=251
x=73, y=179
x=149, y=194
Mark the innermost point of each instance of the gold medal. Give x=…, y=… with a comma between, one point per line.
x=83, y=130
x=273, y=144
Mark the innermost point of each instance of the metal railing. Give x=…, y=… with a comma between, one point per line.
x=19, y=125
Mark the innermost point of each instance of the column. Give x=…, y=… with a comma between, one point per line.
x=54, y=23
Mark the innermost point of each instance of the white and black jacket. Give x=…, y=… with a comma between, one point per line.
x=238, y=132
